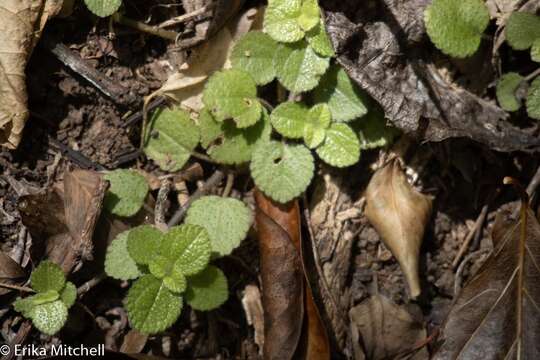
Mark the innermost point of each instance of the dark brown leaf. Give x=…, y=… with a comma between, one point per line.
x=10, y=271
x=497, y=314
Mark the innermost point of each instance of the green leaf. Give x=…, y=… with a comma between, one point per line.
x=318, y=120
x=299, y=68
x=281, y=20
x=207, y=290
x=345, y=100
x=254, y=54
x=535, y=50
x=456, y=26
x=103, y=8
x=164, y=268
x=50, y=317
x=235, y=146
x=24, y=306
x=232, y=94
x=69, y=294
x=227, y=221
x=522, y=30
x=170, y=138
x=319, y=41
x=143, y=242
x=126, y=193
x=47, y=276
x=118, y=262
x=533, y=99
x=372, y=130
x=309, y=15
x=282, y=171
x=289, y=119
x=210, y=129
x=151, y=306
x=506, y=91
x=341, y=147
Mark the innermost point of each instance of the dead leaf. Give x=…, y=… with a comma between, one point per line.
x=10, y=272
x=134, y=342
x=497, y=314
x=293, y=328
x=21, y=22
x=400, y=214
x=64, y=217
x=251, y=302
x=387, y=330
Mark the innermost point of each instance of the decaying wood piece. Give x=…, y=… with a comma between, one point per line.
x=383, y=50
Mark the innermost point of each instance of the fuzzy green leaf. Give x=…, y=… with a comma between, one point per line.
x=118, y=262
x=317, y=121
x=103, y=8
x=143, y=242
x=345, y=99
x=47, y=276
x=309, y=15
x=210, y=129
x=456, y=26
x=506, y=91
x=232, y=94
x=50, y=317
x=533, y=99
x=164, y=268
x=341, y=147
x=319, y=41
x=126, y=193
x=24, y=306
x=151, y=306
x=170, y=137
x=254, y=54
x=281, y=20
x=299, y=68
x=522, y=30
x=207, y=290
x=282, y=171
x=69, y=294
x=289, y=119
x=227, y=221
x=233, y=145
x=372, y=130
x=535, y=50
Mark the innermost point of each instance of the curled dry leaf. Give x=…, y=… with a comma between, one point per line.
x=400, y=214
x=251, y=302
x=10, y=272
x=497, y=314
x=387, y=330
x=21, y=22
x=293, y=328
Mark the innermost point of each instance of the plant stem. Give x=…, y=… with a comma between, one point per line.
x=137, y=25
x=16, y=287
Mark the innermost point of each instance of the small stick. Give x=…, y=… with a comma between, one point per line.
x=185, y=17
x=477, y=225
x=84, y=288
x=532, y=75
x=212, y=182
x=152, y=30
x=535, y=181
x=16, y=287
x=228, y=185
x=138, y=116
x=76, y=156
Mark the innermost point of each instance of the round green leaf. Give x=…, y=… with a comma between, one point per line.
x=44, y=297
x=319, y=41
x=345, y=100
x=103, y=8
x=341, y=147
x=232, y=94
x=126, y=193
x=506, y=91
x=299, y=68
x=118, y=262
x=227, y=221
x=289, y=118
x=522, y=29
x=533, y=99
x=309, y=15
x=210, y=129
x=175, y=280
x=372, y=130
x=456, y=26
x=254, y=54
x=49, y=318
x=151, y=306
x=69, y=294
x=170, y=138
x=207, y=290
x=535, y=50
x=47, y=276
x=282, y=171
x=143, y=242
x=281, y=20
x=318, y=120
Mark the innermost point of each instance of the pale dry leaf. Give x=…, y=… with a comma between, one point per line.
x=252, y=304
x=21, y=23
x=400, y=214
x=387, y=330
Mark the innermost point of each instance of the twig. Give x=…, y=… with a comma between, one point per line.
x=138, y=116
x=477, y=226
x=459, y=278
x=152, y=30
x=532, y=75
x=203, y=157
x=185, y=17
x=161, y=202
x=16, y=287
x=228, y=185
x=535, y=181
x=84, y=288
x=212, y=182
x=76, y=156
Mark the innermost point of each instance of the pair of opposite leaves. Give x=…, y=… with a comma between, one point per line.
x=497, y=314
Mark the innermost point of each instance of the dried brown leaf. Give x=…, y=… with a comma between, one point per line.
x=400, y=214
x=21, y=22
x=10, y=272
x=497, y=313
x=387, y=330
